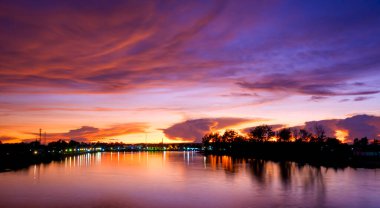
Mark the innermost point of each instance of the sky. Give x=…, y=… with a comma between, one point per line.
x=143, y=71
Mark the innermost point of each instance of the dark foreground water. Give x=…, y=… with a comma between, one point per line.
x=185, y=179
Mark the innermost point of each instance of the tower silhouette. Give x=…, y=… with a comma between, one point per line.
x=40, y=135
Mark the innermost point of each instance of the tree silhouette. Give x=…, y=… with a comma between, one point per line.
x=333, y=141
x=212, y=138
x=229, y=136
x=304, y=135
x=295, y=133
x=362, y=142
x=60, y=144
x=239, y=139
x=262, y=133
x=73, y=143
x=319, y=131
x=284, y=134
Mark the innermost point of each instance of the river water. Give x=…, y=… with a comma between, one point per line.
x=185, y=179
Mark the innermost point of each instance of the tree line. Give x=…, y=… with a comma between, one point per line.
x=265, y=134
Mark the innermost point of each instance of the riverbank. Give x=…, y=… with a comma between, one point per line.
x=316, y=154
x=22, y=155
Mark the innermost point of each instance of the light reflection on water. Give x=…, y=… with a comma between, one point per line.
x=185, y=179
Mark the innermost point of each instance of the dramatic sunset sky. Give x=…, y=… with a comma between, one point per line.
x=130, y=70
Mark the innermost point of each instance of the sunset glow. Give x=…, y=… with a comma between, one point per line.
x=342, y=135
x=144, y=71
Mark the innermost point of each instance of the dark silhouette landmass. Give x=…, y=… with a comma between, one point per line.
x=297, y=145
x=21, y=155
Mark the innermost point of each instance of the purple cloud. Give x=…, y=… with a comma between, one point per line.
x=344, y=100
x=316, y=98
x=361, y=125
x=361, y=98
x=304, y=84
x=357, y=126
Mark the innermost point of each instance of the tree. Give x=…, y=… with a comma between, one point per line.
x=295, y=133
x=356, y=142
x=73, y=143
x=239, y=139
x=319, y=131
x=229, y=136
x=362, y=142
x=333, y=142
x=210, y=138
x=304, y=135
x=58, y=145
x=284, y=134
x=261, y=133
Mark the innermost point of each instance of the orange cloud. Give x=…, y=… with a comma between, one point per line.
x=341, y=134
x=71, y=51
x=9, y=139
x=89, y=133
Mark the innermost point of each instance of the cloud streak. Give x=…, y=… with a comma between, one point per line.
x=92, y=53
x=66, y=48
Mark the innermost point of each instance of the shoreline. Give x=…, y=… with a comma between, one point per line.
x=15, y=163
x=317, y=154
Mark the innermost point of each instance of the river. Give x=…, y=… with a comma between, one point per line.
x=185, y=179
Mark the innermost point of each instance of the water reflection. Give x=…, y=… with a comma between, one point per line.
x=185, y=179
x=36, y=173
x=84, y=160
x=283, y=175
x=264, y=171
